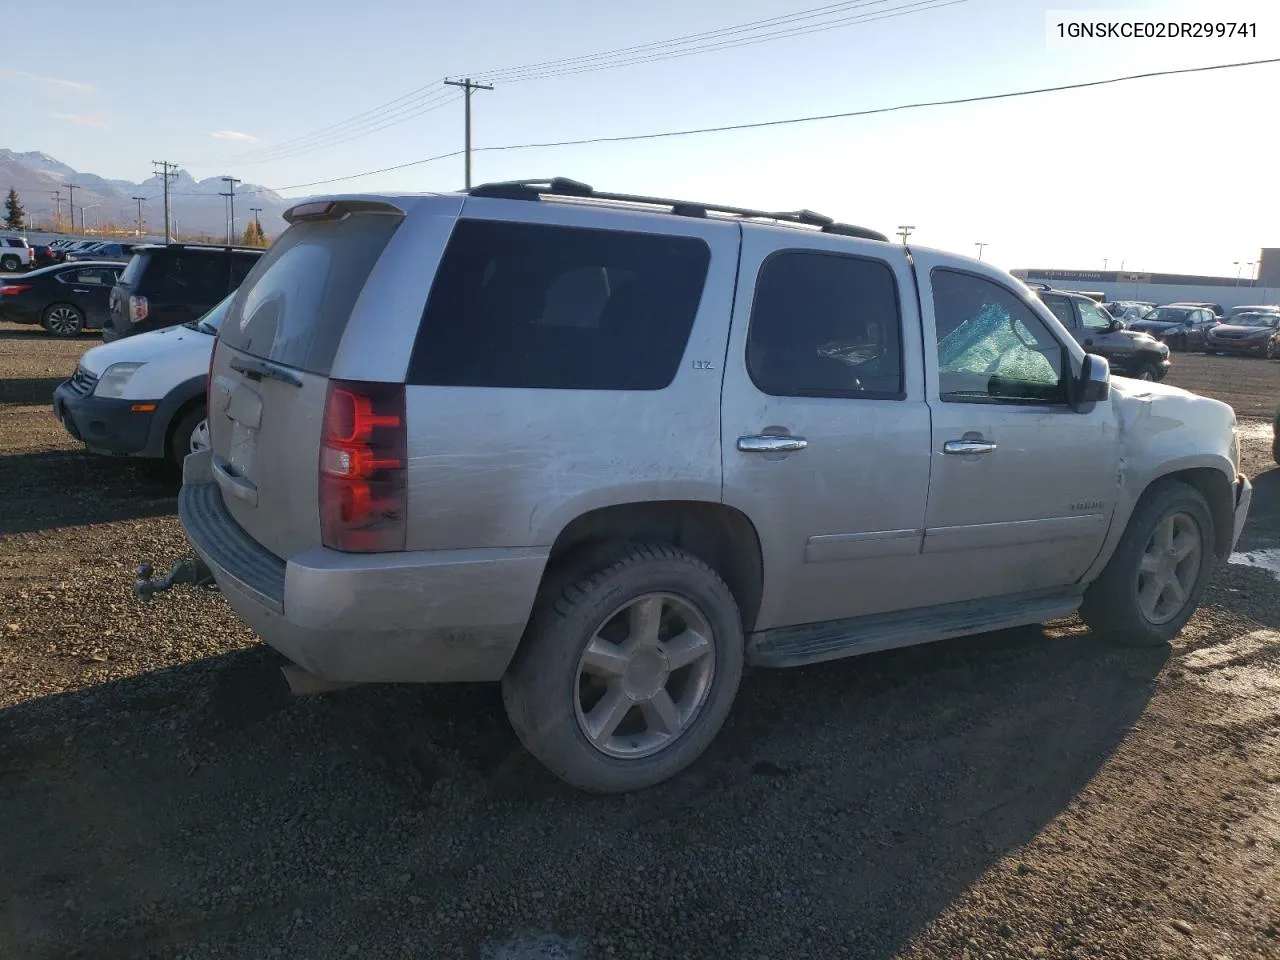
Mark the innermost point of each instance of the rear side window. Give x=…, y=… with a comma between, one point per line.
x=294, y=304
x=559, y=308
x=189, y=277
x=826, y=325
x=137, y=265
x=241, y=264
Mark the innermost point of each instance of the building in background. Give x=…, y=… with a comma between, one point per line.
x=1168, y=287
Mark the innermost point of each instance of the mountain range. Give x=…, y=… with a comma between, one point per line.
x=196, y=205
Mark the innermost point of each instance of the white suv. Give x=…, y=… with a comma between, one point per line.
x=15, y=254
x=608, y=449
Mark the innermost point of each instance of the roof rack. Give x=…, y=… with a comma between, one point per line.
x=564, y=187
x=1037, y=285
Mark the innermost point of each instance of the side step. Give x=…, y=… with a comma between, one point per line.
x=834, y=639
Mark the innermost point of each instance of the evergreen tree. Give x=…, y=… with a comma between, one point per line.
x=14, y=215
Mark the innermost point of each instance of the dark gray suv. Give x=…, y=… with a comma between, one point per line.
x=1131, y=353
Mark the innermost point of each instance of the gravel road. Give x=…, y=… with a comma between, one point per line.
x=1023, y=794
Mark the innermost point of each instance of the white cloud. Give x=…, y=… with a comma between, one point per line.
x=75, y=85
x=82, y=119
x=234, y=135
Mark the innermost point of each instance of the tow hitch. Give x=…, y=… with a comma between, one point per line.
x=191, y=570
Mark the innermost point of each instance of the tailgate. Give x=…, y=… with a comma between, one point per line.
x=271, y=369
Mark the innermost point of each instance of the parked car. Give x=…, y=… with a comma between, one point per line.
x=608, y=449
x=166, y=285
x=1180, y=325
x=1255, y=334
x=65, y=299
x=1275, y=437
x=1127, y=311
x=103, y=251
x=15, y=254
x=143, y=396
x=1260, y=308
x=1216, y=308
x=42, y=255
x=67, y=247
x=1130, y=353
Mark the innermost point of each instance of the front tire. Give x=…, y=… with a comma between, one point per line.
x=1147, y=371
x=189, y=436
x=63, y=320
x=1153, y=582
x=624, y=678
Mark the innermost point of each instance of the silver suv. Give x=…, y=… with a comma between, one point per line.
x=609, y=449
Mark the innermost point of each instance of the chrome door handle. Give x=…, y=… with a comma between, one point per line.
x=767, y=443
x=961, y=447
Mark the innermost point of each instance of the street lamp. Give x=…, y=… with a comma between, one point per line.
x=904, y=232
x=980, y=245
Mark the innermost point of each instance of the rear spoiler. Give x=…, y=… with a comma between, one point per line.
x=339, y=209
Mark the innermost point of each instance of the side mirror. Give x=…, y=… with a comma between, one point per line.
x=1116, y=324
x=1094, y=383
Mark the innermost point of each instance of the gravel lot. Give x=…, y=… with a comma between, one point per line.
x=1023, y=794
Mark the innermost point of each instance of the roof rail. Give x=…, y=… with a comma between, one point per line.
x=564, y=187
x=1037, y=285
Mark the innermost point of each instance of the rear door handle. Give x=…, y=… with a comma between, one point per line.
x=769, y=443
x=962, y=447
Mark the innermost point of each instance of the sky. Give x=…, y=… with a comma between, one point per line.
x=1164, y=174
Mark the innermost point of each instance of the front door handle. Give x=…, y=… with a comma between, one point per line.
x=770, y=443
x=962, y=447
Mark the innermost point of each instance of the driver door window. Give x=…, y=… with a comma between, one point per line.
x=991, y=346
x=1093, y=318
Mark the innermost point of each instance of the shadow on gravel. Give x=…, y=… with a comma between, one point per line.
x=67, y=488
x=29, y=390
x=201, y=811
x=32, y=332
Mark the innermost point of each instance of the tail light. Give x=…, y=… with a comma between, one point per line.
x=363, y=467
x=137, y=309
x=13, y=289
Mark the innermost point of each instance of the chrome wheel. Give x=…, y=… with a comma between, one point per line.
x=1169, y=567
x=199, y=439
x=644, y=675
x=63, y=320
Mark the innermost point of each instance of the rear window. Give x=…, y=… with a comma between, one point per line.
x=553, y=307
x=294, y=303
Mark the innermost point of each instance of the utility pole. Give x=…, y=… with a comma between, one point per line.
x=904, y=232
x=168, y=173
x=255, y=211
x=231, y=199
x=467, y=85
x=980, y=245
x=57, y=206
x=139, y=199
x=71, y=205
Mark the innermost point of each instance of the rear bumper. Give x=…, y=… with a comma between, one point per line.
x=103, y=425
x=417, y=616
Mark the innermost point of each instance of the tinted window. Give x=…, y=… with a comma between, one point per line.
x=825, y=325
x=294, y=304
x=991, y=345
x=551, y=307
x=241, y=264
x=137, y=264
x=99, y=276
x=1061, y=308
x=188, y=276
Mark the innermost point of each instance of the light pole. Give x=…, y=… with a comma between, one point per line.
x=139, y=199
x=1105, y=261
x=1239, y=265
x=980, y=245
x=1250, y=264
x=904, y=232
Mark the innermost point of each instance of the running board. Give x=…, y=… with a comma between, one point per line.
x=834, y=639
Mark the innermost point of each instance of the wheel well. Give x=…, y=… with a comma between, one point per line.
x=197, y=401
x=719, y=536
x=1217, y=492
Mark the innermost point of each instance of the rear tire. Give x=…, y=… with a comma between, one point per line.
x=1118, y=605
x=10, y=264
x=609, y=707
x=62, y=320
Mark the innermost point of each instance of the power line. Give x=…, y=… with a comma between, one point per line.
x=418, y=101
x=787, y=121
x=467, y=85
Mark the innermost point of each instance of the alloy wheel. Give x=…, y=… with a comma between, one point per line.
x=1169, y=567
x=64, y=321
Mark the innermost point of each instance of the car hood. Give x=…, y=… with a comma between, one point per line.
x=145, y=348
x=1158, y=326
x=1238, y=329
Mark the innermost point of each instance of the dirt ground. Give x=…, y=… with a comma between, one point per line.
x=1024, y=794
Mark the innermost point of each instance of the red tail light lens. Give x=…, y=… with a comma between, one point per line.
x=13, y=289
x=363, y=467
x=137, y=309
